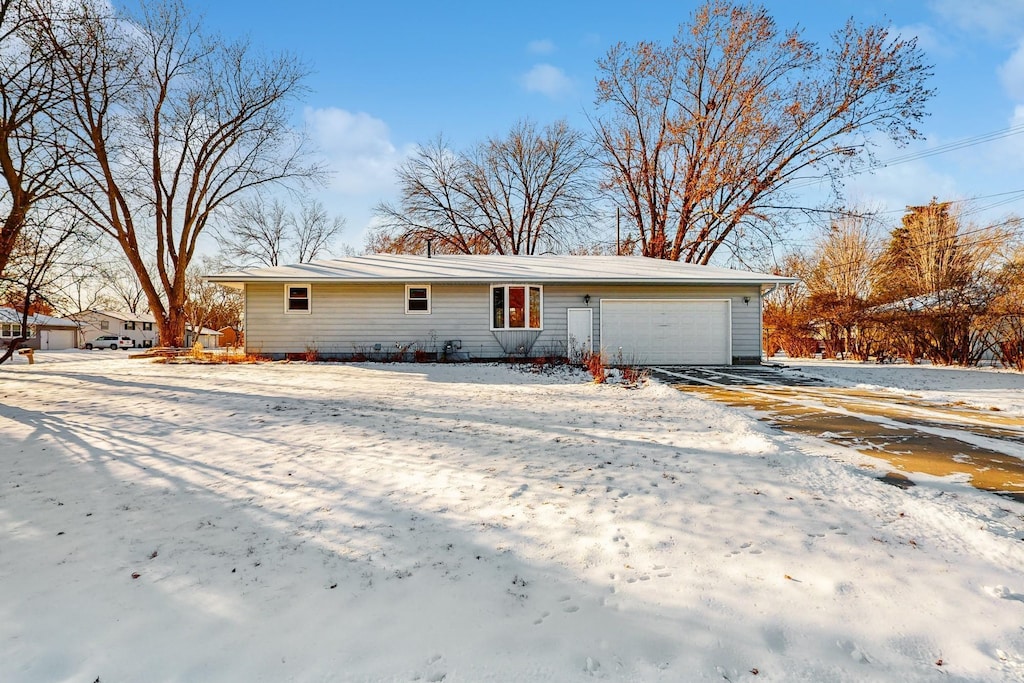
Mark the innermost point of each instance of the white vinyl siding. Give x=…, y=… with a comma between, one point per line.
x=350, y=318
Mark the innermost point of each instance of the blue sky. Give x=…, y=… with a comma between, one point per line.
x=388, y=75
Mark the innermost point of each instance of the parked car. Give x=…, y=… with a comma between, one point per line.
x=109, y=341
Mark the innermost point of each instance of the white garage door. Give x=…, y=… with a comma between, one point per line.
x=667, y=331
x=56, y=339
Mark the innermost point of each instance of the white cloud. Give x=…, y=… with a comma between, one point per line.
x=547, y=80
x=358, y=149
x=927, y=39
x=994, y=18
x=1011, y=73
x=540, y=47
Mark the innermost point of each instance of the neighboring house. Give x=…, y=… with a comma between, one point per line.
x=141, y=327
x=210, y=339
x=45, y=332
x=634, y=309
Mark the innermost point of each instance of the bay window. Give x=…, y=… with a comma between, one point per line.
x=516, y=307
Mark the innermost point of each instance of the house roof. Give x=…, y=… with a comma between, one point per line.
x=389, y=268
x=121, y=315
x=10, y=315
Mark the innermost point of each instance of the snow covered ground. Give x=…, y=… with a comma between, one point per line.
x=321, y=522
x=985, y=388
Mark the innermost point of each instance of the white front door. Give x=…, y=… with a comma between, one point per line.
x=581, y=332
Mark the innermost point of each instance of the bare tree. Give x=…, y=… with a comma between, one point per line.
x=787, y=320
x=315, y=230
x=700, y=138
x=939, y=277
x=120, y=288
x=1005, y=317
x=256, y=233
x=31, y=148
x=268, y=234
x=53, y=243
x=839, y=281
x=177, y=126
x=525, y=193
x=211, y=305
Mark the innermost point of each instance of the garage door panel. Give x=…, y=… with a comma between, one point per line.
x=667, y=331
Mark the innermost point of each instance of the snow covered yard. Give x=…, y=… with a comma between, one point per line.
x=465, y=523
x=985, y=388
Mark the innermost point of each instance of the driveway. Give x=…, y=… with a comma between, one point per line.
x=913, y=435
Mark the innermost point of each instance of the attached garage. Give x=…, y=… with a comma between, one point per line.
x=494, y=306
x=45, y=332
x=667, y=331
x=56, y=339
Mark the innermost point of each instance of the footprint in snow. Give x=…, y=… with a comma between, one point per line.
x=1004, y=593
x=435, y=676
x=568, y=608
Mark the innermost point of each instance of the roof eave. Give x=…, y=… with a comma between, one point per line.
x=241, y=282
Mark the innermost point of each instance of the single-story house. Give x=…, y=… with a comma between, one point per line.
x=140, y=327
x=633, y=309
x=45, y=332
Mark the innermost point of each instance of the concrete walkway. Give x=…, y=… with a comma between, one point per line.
x=912, y=435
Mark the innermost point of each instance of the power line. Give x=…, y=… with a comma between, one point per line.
x=924, y=154
x=863, y=268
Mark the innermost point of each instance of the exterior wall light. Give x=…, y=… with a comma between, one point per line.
x=586, y=298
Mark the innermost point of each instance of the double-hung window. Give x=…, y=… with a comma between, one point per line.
x=516, y=307
x=129, y=325
x=417, y=299
x=297, y=299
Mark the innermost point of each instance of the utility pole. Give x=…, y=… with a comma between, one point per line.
x=618, y=233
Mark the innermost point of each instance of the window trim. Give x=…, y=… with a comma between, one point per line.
x=429, y=300
x=7, y=330
x=505, y=314
x=288, y=310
